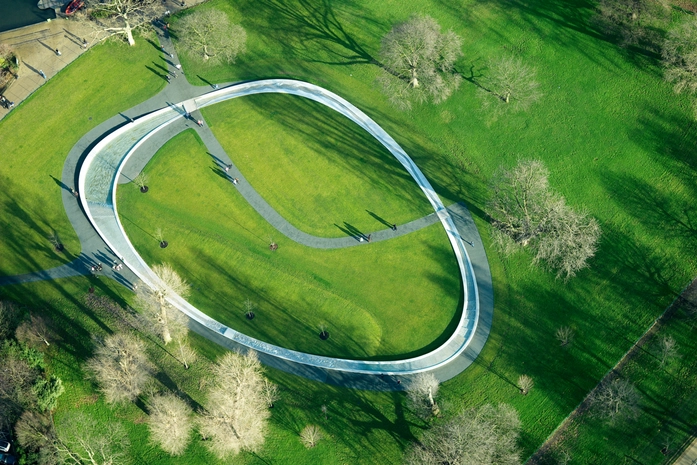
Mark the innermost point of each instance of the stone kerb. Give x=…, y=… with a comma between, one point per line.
x=134, y=134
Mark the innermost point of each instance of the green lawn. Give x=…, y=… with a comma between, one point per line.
x=318, y=169
x=615, y=137
x=360, y=427
x=35, y=139
x=369, y=296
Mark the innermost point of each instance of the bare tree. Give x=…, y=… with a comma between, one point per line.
x=36, y=434
x=249, y=308
x=141, y=181
x=121, y=367
x=421, y=392
x=122, y=16
x=83, y=440
x=633, y=22
x=564, y=335
x=512, y=82
x=668, y=349
x=526, y=211
x=163, y=317
x=187, y=354
x=680, y=59
x=236, y=412
x=615, y=399
x=310, y=436
x=208, y=36
x=525, y=383
x=170, y=423
x=269, y=392
x=34, y=331
x=16, y=380
x=484, y=436
x=419, y=62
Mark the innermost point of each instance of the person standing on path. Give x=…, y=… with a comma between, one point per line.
x=42, y=74
x=58, y=52
x=394, y=227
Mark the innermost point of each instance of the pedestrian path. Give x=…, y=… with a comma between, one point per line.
x=282, y=225
x=121, y=141
x=98, y=201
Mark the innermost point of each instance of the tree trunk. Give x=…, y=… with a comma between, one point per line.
x=129, y=33
x=166, y=336
x=414, y=81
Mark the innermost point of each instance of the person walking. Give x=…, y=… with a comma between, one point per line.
x=58, y=52
x=394, y=227
x=42, y=74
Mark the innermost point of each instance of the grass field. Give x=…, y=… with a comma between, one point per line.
x=36, y=137
x=360, y=427
x=616, y=139
x=369, y=296
x=318, y=169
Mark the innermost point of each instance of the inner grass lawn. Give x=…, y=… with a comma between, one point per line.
x=370, y=297
x=35, y=139
x=318, y=169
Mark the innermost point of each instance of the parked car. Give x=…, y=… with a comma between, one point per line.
x=8, y=459
x=4, y=446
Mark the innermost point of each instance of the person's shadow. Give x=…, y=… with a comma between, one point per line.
x=60, y=183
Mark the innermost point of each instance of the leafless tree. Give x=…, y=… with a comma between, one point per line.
x=615, y=399
x=310, y=436
x=421, y=392
x=16, y=380
x=668, y=349
x=564, y=335
x=419, y=62
x=525, y=210
x=487, y=435
x=36, y=434
x=170, y=423
x=186, y=354
x=236, y=412
x=525, y=383
x=680, y=59
x=34, y=331
x=512, y=83
x=269, y=392
x=208, y=36
x=141, y=180
x=122, y=16
x=163, y=317
x=633, y=22
x=82, y=440
x=121, y=367
x=249, y=308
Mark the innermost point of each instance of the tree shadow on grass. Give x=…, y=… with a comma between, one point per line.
x=314, y=30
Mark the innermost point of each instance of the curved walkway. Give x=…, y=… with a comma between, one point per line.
x=98, y=181
x=95, y=250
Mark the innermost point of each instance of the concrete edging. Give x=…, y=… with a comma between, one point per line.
x=102, y=213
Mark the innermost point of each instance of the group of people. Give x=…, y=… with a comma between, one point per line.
x=6, y=103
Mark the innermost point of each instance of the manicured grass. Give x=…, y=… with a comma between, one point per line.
x=616, y=139
x=35, y=139
x=360, y=427
x=318, y=169
x=369, y=296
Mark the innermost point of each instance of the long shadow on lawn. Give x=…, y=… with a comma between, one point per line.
x=664, y=213
x=303, y=26
x=558, y=20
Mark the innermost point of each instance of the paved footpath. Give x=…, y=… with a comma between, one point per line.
x=94, y=250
